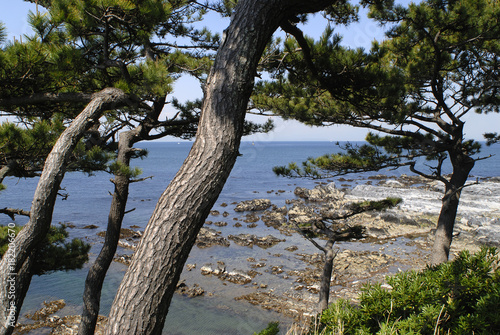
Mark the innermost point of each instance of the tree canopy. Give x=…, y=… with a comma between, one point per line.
x=79, y=48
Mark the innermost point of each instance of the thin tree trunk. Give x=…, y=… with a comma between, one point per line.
x=97, y=273
x=326, y=276
x=446, y=220
x=144, y=295
x=15, y=266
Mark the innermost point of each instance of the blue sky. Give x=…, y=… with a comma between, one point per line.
x=14, y=13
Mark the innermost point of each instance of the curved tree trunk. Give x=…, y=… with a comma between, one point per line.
x=15, y=266
x=144, y=295
x=446, y=221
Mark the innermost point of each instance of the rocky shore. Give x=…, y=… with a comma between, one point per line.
x=251, y=251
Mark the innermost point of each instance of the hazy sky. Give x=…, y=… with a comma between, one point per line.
x=361, y=34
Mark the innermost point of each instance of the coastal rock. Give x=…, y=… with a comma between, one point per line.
x=251, y=218
x=249, y=240
x=285, y=305
x=124, y=259
x=322, y=193
x=488, y=233
x=208, y=237
x=274, y=218
x=348, y=266
x=426, y=199
x=360, y=264
x=477, y=217
x=50, y=308
x=45, y=320
x=190, y=292
x=126, y=245
x=253, y=205
x=391, y=183
x=235, y=277
x=302, y=214
x=125, y=233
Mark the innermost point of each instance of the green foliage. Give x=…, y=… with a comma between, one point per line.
x=55, y=254
x=376, y=205
x=492, y=138
x=28, y=147
x=24, y=149
x=437, y=65
x=272, y=328
x=458, y=297
x=3, y=33
x=355, y=159
x=83, y=47
x=5, y=234
x=120, y=169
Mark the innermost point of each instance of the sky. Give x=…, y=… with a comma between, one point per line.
x=361, y=34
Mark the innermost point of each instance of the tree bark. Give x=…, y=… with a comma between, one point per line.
x=144, y=295
x=462, y=165
x=326, y=276
x=97, y=273
x=15, y=266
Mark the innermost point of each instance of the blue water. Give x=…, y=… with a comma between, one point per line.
x=252, y=177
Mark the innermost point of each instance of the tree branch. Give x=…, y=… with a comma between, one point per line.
x=39, y=98
x=301, y=232
x=140, y=179
x=11, y=212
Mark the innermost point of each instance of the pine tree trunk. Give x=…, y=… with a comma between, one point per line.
x=462, y=165
x=16, y=263
x=97, y=273
x=144, y=296
x=326, y=277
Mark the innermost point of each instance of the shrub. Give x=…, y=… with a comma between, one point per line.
x=272, y=328
x=458, y=297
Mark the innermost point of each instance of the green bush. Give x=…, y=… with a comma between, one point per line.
x=272, y=328
x=458, y=297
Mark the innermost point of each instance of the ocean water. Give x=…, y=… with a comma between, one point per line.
x=252, y=177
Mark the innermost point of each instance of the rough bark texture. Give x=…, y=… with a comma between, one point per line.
x=16, y=263
x=144, y=295
x=462, y=165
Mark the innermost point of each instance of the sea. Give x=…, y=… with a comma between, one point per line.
x=216, y=312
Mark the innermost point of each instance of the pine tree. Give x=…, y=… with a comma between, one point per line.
x=333, y=227
x=80, y=48
x=438, y=65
